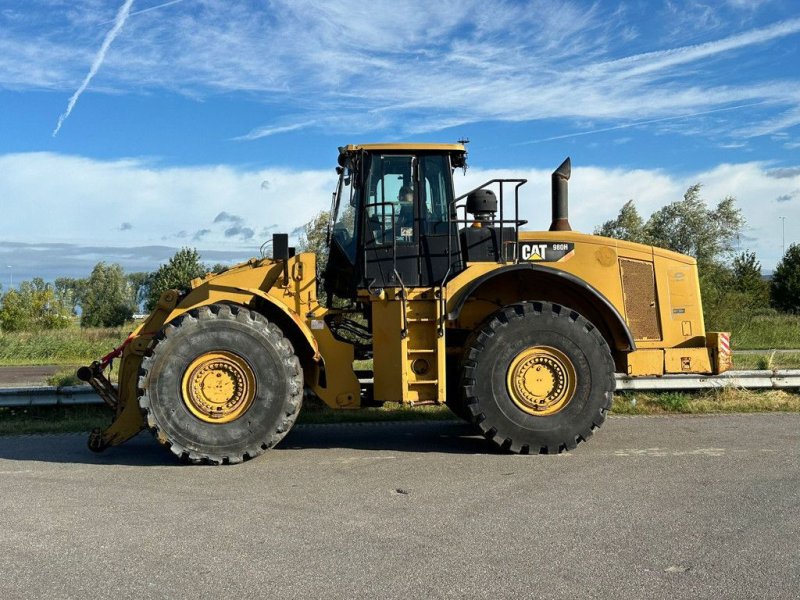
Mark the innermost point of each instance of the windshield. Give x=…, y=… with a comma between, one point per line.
x=390, y=203
x=344, y=215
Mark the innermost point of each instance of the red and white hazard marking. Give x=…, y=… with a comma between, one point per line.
x=725, y=343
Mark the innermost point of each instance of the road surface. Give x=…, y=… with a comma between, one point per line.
x=652, y=507
x=26, y=375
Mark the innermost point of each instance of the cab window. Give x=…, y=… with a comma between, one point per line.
x=345, y=225
x=436, y=174
x=390, y=200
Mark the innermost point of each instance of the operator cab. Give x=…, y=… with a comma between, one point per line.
x=397, y=223
x=390, y=217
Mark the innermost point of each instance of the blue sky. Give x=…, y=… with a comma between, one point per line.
x=214, y=123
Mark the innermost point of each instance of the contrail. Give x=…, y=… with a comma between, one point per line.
x=145, y=10
x=122, y=16
x=637, y=123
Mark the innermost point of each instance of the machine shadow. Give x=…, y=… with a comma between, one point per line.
x=144, y=451
x=141, y=451
x=403, y=436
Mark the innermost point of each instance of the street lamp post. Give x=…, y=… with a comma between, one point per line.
x=783, y=235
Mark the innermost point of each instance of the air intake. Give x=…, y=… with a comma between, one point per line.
x=560, y=179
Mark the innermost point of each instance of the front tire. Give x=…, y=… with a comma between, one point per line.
x=537, y=377
x=221, y=385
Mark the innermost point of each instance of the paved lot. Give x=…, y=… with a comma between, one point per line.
x=26, y=376
x=672, y=507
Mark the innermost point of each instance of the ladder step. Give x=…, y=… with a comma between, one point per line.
x=423, y=317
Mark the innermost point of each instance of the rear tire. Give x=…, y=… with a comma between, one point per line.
x=537, y=377
x=221, y=385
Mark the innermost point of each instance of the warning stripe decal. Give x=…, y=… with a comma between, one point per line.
x=725, y=343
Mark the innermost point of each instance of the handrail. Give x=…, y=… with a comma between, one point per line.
x=453, y=208
x=383, y=236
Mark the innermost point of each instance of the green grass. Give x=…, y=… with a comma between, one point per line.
x=672, y=401
x=72, y=346
x=725, y=400
x=64, y=378
x=766, y=331
x=767, y=360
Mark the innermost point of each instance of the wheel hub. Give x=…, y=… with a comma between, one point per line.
x=541, y=380
x=218, y=387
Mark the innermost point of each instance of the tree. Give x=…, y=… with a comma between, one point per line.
x=140, y=284
x=218, y=268
x=315, y=235
x=315, y=239
x=627, y=226
x=108, y=299
x=747, y=280
x=70, y=291
x=32, y=307
x=689, y=227
x=785, y=290
x=184, y=266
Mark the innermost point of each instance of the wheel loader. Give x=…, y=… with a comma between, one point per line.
x=452, y=298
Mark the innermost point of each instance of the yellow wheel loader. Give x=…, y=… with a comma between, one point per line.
x=519, y=332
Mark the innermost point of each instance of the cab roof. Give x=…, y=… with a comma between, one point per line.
x=407, y=147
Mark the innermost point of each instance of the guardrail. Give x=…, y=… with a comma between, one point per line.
x=48, y=396
x=776, y=379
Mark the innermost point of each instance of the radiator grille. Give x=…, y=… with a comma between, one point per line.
x=641, y=301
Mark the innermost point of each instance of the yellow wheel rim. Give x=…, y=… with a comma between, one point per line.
x=218, y=387
x=541, y=380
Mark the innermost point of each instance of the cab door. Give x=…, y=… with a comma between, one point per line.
x=391, y=224
x=408, y=238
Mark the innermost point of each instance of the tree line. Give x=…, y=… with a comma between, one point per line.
x=108, y=297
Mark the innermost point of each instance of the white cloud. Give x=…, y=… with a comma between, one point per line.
x=649, y=62
x=55, y=198
x=262, y=132
x=50, y=198
x=417, y=66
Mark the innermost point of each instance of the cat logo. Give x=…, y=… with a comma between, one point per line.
x=533, y=251
x=546, y=251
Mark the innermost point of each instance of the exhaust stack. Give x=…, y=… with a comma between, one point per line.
x=560, y=195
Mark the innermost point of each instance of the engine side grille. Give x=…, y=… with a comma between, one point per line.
x=641, y=300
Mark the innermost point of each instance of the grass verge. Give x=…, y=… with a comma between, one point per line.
x=725, y=400
x=766, y=331
x=767, y=360
x=59, y=347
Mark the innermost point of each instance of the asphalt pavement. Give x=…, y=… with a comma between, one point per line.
x=27, y=375
x=652, y=507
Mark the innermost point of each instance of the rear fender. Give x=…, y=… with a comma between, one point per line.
x=548, y=283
